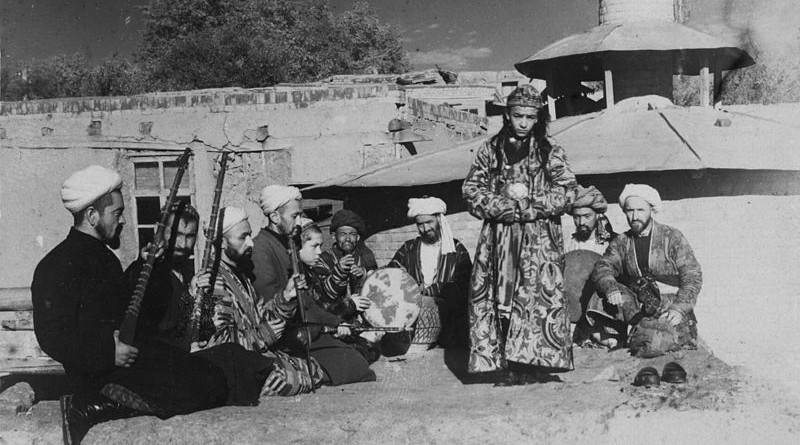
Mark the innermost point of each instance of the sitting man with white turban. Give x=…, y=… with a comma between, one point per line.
x=80, y=297
x=256, y=327
x=440, y=264
x=648, y=278
x=282, y=205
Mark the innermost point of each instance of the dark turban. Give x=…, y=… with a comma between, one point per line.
x=592, y=198
x=347, y=218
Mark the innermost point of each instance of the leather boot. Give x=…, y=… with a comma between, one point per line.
x=80, y=413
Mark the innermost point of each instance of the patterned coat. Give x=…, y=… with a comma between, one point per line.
x=518, y=268
x=671, y=262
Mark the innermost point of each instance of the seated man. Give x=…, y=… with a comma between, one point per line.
x=592, y=229
x=79, y=301
x=648, y=278
x=167, y=311
x=441, y=266
x=167, y=305
x=349, y=259
x=592, y=235
x=238, y=319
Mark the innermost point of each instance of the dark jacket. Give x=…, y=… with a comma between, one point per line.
x=271, y=263
x=452, y=280
x=79, y=298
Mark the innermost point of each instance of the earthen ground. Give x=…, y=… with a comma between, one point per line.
x=428, y=398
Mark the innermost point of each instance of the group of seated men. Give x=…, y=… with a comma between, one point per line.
x=201, y=344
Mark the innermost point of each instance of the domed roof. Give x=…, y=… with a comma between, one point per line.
x=585, y=52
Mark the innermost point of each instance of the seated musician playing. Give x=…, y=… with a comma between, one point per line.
x=348, y=250
x=649, y=278
x=342, y=362
x=440, y=264
x=238, y=320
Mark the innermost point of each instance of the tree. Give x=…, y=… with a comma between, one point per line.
x=191, y=44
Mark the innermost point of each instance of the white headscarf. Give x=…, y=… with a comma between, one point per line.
x=86, y=186
x=233, y=216
x=643, y=191
x=434, y=206
x=274, y=196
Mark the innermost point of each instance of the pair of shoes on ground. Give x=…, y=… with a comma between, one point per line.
x=516, y=378
x=648, y=376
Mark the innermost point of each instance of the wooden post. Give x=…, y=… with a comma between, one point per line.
x=704, y=80
x=609, y=90
x=551, y=100
x=717, y=72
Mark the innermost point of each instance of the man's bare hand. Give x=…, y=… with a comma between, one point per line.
x=224, y=313
x=159, y=252
x=342, y=331
x=362, y=303
x=296, y=281
x=357, y=271
x=276, y=382
x=615, y=298
x=673, y=317
x=124, y=355
x=346, y=262
x=202, y=280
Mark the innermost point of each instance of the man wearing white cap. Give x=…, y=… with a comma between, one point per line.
x=649, y=278
x=282, y=205
x=79, y=299
x=441, y=266
x=238, y=318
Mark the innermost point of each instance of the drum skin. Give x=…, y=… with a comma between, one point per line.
x=394, y=295
x=578, y=289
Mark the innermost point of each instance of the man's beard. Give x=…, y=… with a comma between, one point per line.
x=112, y=240
x=430, y=237
x=582, y=233
x=348, y=247
x=638, y=226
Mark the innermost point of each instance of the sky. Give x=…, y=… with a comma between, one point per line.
x=456, y=34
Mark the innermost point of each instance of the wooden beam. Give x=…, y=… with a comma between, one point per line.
x=717, y=72
x=704, y=81
x=609, y=89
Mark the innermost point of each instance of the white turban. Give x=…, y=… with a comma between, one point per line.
x=643, y=191
x=233, y=216
x=86, y=186
x=274, y=196
x=437, y=207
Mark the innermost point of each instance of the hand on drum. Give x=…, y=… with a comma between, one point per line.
x=362, y=303
x=615, y=298
x=347, y=262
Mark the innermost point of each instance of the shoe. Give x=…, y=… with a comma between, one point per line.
x=673, y=373
x=510, y=378
x=80, y=413
x=126, y=397
x=647, y=377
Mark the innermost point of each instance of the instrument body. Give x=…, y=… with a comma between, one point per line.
x=127, y=330
x=213, y=244
x=395, y=298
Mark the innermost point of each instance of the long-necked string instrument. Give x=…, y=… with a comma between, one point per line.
x=212, y=246
x=297, y=269
x=127, y=331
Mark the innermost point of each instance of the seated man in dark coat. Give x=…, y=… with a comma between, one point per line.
x=79, y=300
x=441, y=266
